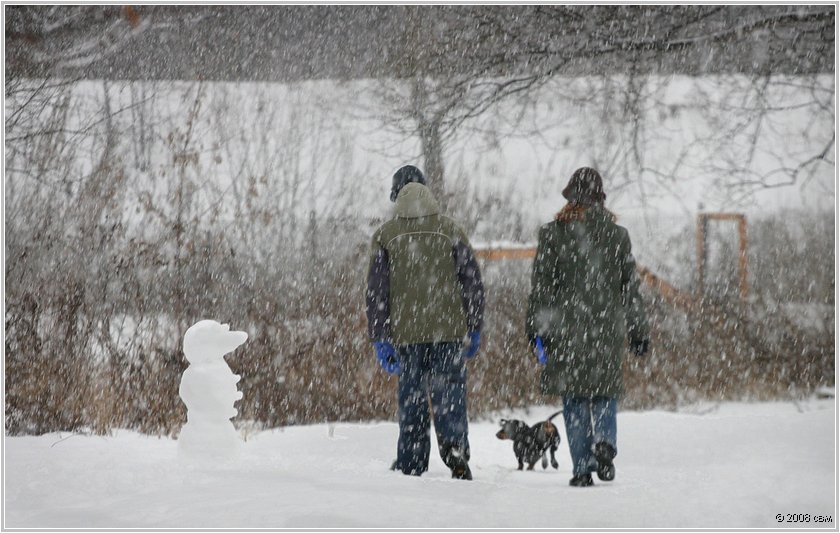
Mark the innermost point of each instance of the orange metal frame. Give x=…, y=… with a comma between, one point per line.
x=494, y=254
x=702, y=229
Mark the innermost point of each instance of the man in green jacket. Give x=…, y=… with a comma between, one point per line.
x=584, y=306
x=424, y=297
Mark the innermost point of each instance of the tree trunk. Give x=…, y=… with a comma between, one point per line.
x=433, y=158
x=428, y=127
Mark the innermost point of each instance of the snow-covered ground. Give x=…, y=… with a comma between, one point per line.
x=728, y=465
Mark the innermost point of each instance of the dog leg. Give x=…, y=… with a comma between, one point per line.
x=545, y=460
x=554, y=462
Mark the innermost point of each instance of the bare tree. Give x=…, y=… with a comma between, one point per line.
x=67, y=41
x=463, y=61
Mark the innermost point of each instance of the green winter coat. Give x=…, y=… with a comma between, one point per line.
x=584, y=302
x=425, y=297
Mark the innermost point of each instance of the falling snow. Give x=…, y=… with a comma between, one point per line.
x=168, y=164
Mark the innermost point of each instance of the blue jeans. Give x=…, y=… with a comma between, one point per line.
x=588, y=422
x=436, y=372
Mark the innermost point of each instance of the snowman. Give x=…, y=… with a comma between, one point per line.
x=208, y=389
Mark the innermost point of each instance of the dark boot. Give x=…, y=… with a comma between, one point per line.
x=457, y=462
x=604, y=454
x=462, y=472
x=584, y=480
x=412, y=471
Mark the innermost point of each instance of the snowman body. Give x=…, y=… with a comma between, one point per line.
x=208, y=389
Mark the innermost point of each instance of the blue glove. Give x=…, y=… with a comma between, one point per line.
x=475, y=343
x=541, y=357
x=387, y=356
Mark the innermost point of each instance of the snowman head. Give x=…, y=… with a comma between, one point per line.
x=208, y=341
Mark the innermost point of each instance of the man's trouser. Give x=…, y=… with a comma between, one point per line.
x=433, y=372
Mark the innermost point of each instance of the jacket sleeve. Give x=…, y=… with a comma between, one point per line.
x=634, y=309
x=377, y=296
x=469, y=279
x=542, y=281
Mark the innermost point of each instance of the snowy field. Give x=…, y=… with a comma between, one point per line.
x=730, y=465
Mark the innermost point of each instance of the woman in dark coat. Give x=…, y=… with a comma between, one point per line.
x=584, y=305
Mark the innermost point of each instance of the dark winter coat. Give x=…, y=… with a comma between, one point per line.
x=584, y=302
x=424, y=283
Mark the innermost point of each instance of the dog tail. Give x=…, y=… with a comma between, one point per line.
x=555, y=414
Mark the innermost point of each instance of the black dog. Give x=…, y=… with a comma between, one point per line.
x=531, y=443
